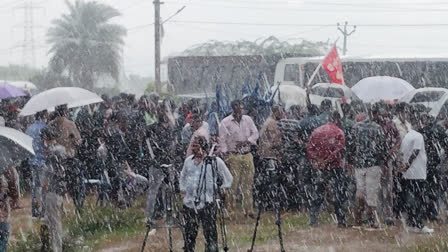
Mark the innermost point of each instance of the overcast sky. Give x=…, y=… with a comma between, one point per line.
x=378, y=31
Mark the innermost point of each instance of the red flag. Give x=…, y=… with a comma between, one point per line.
x=333, y=65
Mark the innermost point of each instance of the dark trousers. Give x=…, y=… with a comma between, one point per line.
x=4, y=236
x=206, y=216
x=432, y=193
x=414, y=189
x=294, y=181
x=328, y=181
x=75, y=181
x=399, y=195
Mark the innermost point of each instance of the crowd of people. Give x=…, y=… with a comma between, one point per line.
x=383, y=162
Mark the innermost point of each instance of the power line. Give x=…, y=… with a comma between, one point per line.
x=139, y=27
x=163, y=21
x=401, y=46
x=375, y=4
x=131, y=6
x=304, y=25
x=244, y=23
x=304, y=32
x=387, y=2
x=366, y=8
x=318, y=26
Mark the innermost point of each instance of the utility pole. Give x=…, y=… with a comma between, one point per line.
x=157, y=4
x=346, y=35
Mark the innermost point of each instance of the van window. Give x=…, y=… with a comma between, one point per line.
x=444, y=110
x=427, y=96
x=292, y=72
x=328, y=92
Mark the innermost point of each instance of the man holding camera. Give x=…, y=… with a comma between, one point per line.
x=198, y=184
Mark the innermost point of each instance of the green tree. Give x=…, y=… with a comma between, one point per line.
x=84, y=44
x=268, y=46
x=47, y=79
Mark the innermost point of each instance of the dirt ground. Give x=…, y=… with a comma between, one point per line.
x=297, y=236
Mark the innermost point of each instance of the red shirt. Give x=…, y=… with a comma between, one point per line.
x=327, y=143
x=360, y=117
x=188, y=118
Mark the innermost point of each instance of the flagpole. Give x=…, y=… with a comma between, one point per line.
x=313, y=75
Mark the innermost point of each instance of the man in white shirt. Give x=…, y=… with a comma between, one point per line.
x=414, y=175
x=403, y=126
x=198, y=184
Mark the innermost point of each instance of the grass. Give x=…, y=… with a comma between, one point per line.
x=89, y=229
x=267, y=229
x=436, y=244
x=97, y=224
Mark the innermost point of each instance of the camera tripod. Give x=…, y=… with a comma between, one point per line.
x=274, y=174
x=173, y=218
x=201, y=191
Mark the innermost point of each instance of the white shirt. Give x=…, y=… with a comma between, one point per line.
x=189, y=180
x=2, y=121
x=411, y=142
x=403, y=128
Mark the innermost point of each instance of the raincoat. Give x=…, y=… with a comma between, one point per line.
x=326, y=146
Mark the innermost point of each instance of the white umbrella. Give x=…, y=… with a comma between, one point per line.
x=289, y=95
x=381, y=88
x=47, y=100
x=14, y=147
x=25, y=85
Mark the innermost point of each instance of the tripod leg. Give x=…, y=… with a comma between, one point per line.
x=223, y=229
x=279, y=224
x=144, y=241
x=170, y=239
x=255, y=230
x=169, y=213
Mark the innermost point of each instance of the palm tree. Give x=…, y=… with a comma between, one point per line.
x=84, y=44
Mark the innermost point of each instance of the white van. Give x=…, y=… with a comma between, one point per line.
x=291, y=71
